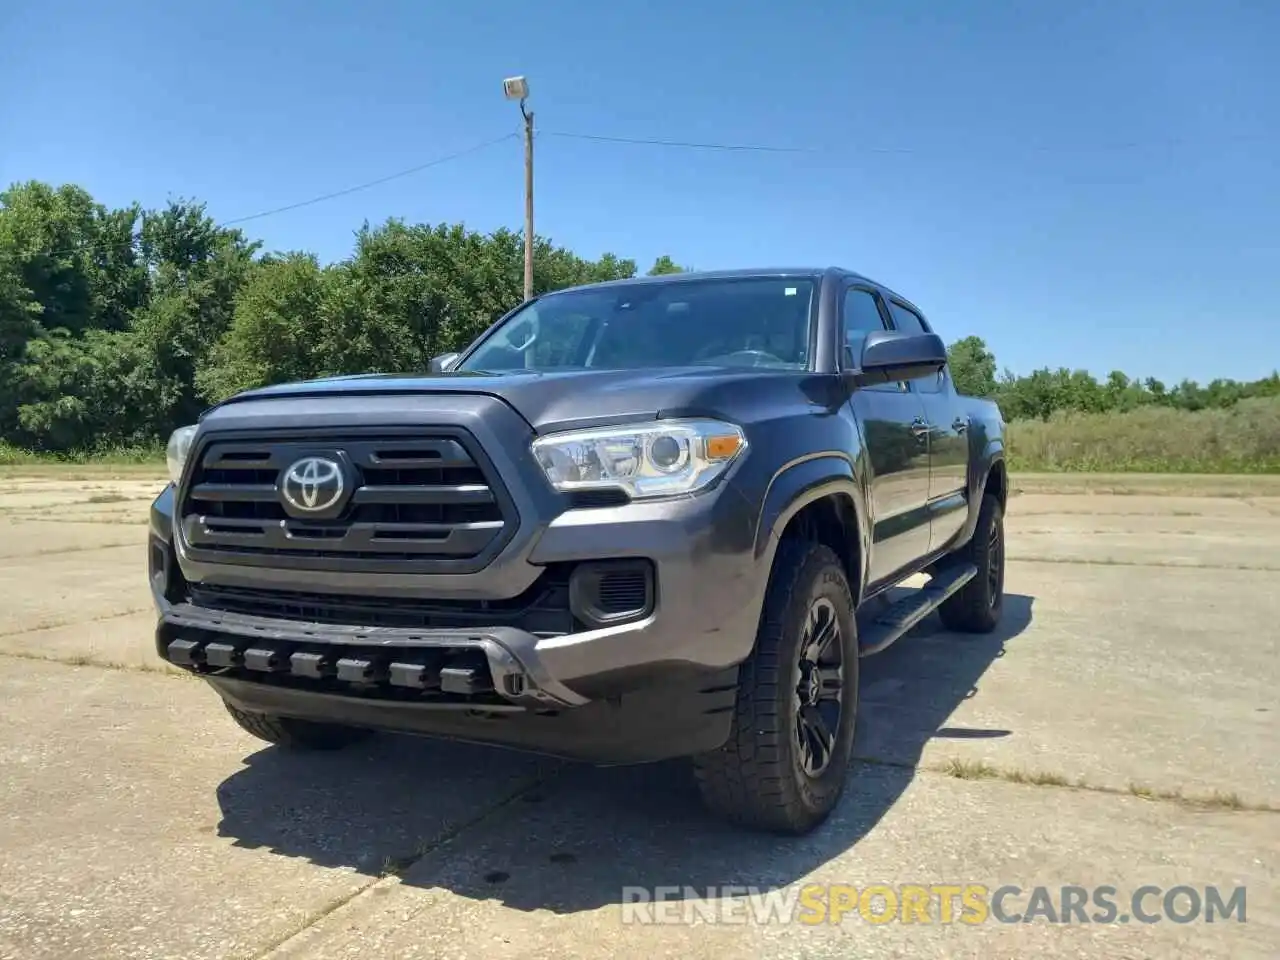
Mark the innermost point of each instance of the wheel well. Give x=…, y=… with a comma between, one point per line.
x=998, y=482
x=831, y=521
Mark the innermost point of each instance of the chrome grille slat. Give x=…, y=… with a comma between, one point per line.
x=401, y=493
x=247, y=492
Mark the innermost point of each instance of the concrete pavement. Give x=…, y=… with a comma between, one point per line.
x=1138, y=660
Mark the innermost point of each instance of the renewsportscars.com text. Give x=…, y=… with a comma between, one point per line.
x=937, y=903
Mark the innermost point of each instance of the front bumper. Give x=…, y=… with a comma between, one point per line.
x=652, y=688
x=456, y=685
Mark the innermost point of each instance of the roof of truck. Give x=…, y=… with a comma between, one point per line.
x=742, y=273
x=710, y=275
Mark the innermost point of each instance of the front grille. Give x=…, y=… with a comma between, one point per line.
x=564, y=599
x=427, y=501
x=543, y=609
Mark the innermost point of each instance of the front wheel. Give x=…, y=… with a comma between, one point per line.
x=783, y=768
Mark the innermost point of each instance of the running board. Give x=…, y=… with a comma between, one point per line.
x=892, y=623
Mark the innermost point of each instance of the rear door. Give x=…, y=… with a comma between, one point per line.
x=897, y=442
x=948, y=439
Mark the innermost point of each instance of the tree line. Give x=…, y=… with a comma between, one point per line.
x=118, y=324
x=1044, y=392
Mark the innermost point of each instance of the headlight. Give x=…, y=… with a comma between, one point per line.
x=657, y=459
x=175, y=453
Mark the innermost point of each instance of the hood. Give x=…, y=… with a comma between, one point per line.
x=555, y=399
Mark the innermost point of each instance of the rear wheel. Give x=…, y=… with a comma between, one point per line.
x=295, y=734
x=977, y=606
x=784, y=766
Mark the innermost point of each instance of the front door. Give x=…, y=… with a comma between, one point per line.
x=948, y=441
x=895, y=436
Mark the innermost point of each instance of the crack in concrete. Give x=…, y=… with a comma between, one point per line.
x=157, y=670
x=1111, y=562
x=40, y=628
x=92, y=519
x=402, y=865
x=961, y=770
x=54, y=551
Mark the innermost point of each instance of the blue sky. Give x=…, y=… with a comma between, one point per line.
x=1084, y=184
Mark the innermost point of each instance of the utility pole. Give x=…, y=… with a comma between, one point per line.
x=517, y=88
x=528, y=202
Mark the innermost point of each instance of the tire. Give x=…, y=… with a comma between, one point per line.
x=977, y=606
x=758, y=778
x=293, y=734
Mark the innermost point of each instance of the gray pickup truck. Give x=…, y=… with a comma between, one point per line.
x=633, y=521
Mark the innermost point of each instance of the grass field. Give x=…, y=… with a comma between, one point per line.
x=1242, y=439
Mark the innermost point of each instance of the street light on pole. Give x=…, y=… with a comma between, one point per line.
x=517, y=88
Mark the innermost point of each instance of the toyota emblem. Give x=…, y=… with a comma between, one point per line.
x=313, y=484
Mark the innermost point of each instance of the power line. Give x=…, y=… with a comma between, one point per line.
x=1116, y=146
x=373, y=183
x=639, y=141
x=646, y=141
x=135, y=237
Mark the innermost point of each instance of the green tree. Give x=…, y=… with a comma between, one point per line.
x=275, y=331
x=107, y=315
x=76, y=258
x=197, y=270
x=410, y=292
x=82, y=393
x=973, y=367
x=118, y=324
x=664, y=265
x=19, y=323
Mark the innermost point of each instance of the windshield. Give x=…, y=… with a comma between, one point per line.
x=754, y=322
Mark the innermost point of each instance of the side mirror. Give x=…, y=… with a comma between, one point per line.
x=444, y=362
x=892, y=355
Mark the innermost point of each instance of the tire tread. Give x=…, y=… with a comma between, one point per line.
x=748, y=781
x=969, y=610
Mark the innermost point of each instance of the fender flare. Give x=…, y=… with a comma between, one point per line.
x=795, y=486
x=992, y=457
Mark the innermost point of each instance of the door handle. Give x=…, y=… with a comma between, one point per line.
x=960, y=424
x=919, y=429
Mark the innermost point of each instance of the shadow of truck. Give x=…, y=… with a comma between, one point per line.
x=544, y=834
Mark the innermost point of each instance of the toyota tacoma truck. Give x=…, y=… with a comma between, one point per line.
x=633, y=521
